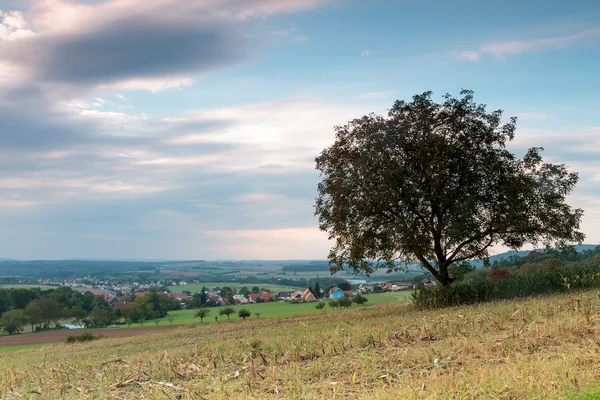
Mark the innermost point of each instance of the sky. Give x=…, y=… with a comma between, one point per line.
x=170, y=129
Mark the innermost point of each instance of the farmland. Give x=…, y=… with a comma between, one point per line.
x=23, y=286
x=535, y=348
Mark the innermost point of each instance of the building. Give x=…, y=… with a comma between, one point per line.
x=308, y=296
x=336, y=293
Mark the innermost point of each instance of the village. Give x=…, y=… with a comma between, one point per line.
x=228, y=296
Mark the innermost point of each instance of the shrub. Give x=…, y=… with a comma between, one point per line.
x=84, y=337
x=576, y=277
x=498, y=273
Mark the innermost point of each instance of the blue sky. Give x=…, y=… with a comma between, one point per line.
x=188, y=129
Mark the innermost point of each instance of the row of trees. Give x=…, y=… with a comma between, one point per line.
x=227, y=311
x=19, y=298
x=46, y=311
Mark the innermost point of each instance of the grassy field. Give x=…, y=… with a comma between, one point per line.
x=19, y=286
x=196, y=287
x=22, y=347
x=544, y=348
x=274, y=309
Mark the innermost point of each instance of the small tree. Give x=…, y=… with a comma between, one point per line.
x=142, y=320
x=244, y=313
x=317, y=290
x=128, y=321
x=77, y=314
x=202, y=313
x=203, y=297
x=334, y=303
x=434, y=183
x=360, y=300
x=226, y=311
x=171, y=319
x=257, y=314
x=156, y=321
x=320, y=305
x=345, y=302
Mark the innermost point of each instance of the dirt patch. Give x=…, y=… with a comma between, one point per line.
x=60, y=335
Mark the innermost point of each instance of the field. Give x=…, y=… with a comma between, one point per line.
x=544, y=348
x=197, y=287
x=60, y=335
x=275, y=309
x=20, y=286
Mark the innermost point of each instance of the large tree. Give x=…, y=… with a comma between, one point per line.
x=434, y=183
x=13, y=321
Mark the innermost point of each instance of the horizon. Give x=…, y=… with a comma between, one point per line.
x=139, y=130
x=4, y=259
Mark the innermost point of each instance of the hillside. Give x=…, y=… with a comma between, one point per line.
x=537, y=348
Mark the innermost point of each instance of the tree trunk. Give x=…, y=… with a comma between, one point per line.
x=445, y=280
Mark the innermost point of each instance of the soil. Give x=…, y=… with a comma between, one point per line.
x=60, y=335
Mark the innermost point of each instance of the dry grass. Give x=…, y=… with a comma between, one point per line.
x=539, y=348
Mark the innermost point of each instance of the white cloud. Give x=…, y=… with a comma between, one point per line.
x=13, y=26
x=501, y=50
x=153, y=85
x=365, y=53
x=174, y=120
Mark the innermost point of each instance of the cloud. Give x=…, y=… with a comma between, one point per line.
x=13, y=26
x=134, y=44
x=501, y=50
x=365, y=53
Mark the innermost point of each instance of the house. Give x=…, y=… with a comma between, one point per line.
x=297, y=295
x=253, y=297
x=308, y=296
x=336, y=294
x=349, y=293
x=284, y=296
x=364, y=288
x=266, y=296
x=119, y=300
x=178, y=296
x=142, y=294
x=401, y=285
x=240, y=299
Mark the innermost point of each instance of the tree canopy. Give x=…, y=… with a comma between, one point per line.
x=434, y=183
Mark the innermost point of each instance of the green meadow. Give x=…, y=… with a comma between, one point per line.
x=22, y=286
x=275, y=309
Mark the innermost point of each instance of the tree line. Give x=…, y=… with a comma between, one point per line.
x=44, y=309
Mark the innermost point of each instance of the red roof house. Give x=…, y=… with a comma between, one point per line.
x=253, y=297
x=266, y=296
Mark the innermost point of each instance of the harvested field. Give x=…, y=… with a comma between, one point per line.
x=538, y=348
x=60, y=335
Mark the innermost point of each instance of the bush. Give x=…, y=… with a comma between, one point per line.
x=497, y=274
x=84, y=337
x=576, y=277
